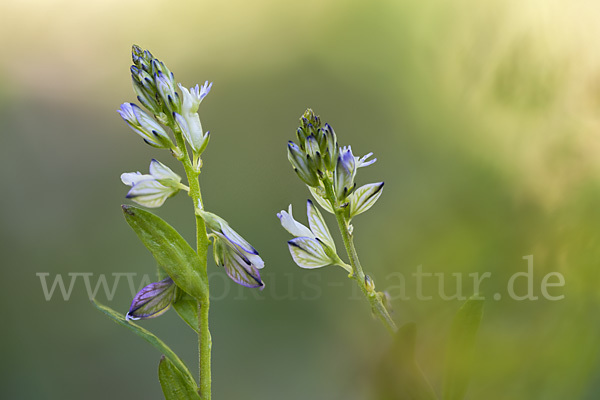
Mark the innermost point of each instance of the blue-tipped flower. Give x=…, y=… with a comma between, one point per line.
x=231, y=251
x=145, y=126
x=314, y=247
x=302, y=164
x=153, y=300
x=344, y=174
x=154, y=189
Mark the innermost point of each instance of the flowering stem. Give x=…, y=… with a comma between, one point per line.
x=375, y=299
x=202, y=242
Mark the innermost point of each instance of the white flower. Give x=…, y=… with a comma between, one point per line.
x=189, y=120
x=311, y=248
x=231, y=251
x=152, y=190
x=145, y=126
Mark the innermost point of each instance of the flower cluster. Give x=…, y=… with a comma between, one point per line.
x=319, y=161
x=155, y=87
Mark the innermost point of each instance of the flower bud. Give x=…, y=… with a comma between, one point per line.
x=145, y=126
x=302, y=164
x=166, y=88
x=345, y=171
x=331, y=152
x=313, y=151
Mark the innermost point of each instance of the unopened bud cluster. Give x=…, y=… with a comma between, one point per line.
x=318, y=159
x=156, y=89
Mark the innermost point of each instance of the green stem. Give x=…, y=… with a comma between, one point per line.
x=375, y=299
x=202, y=242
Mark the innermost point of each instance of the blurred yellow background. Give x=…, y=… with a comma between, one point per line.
x=484, y=117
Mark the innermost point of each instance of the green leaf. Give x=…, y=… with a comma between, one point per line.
x=149, y=337
x=174, y=385
x=399, y=377
x=171, y=251
x=459, y=355
x=187, y=308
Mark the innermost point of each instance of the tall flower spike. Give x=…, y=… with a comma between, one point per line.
x=314, y=247
x=153, y=300
x=154, y=189
x=145, y=126
x=231, y=251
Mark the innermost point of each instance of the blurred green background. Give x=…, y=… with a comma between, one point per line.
x=484, y=117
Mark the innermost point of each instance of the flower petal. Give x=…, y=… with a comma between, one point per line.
x=161, y=172
x=234, y=238
x=292, y=226
x=238, y=267
x=150, y=193
x=320, y=199
x=318, y=226
x=308, y=253
x=133, y=178
x=153, y=300
x=364, y=197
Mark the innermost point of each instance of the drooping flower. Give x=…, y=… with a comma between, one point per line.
x=314, y=247
x=153, y=300
x=231, y=251
x=145, y=126
x=152, y=190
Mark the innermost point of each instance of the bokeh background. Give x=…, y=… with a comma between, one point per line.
x=484, y=117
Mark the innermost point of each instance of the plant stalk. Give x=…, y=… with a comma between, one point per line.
x=202, y=242
x=375, y=299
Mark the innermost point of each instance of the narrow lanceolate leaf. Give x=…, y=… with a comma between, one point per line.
x=150, y=338
x=171, y=251
x=399, y=377
x=187, y=308
x=318, y=226
x=308, y=253
x=364, y=197
x=174, y=385
x=459, y=355
x=320, y=199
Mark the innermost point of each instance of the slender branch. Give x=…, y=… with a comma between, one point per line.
x=204, y=337
x=375, y=299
